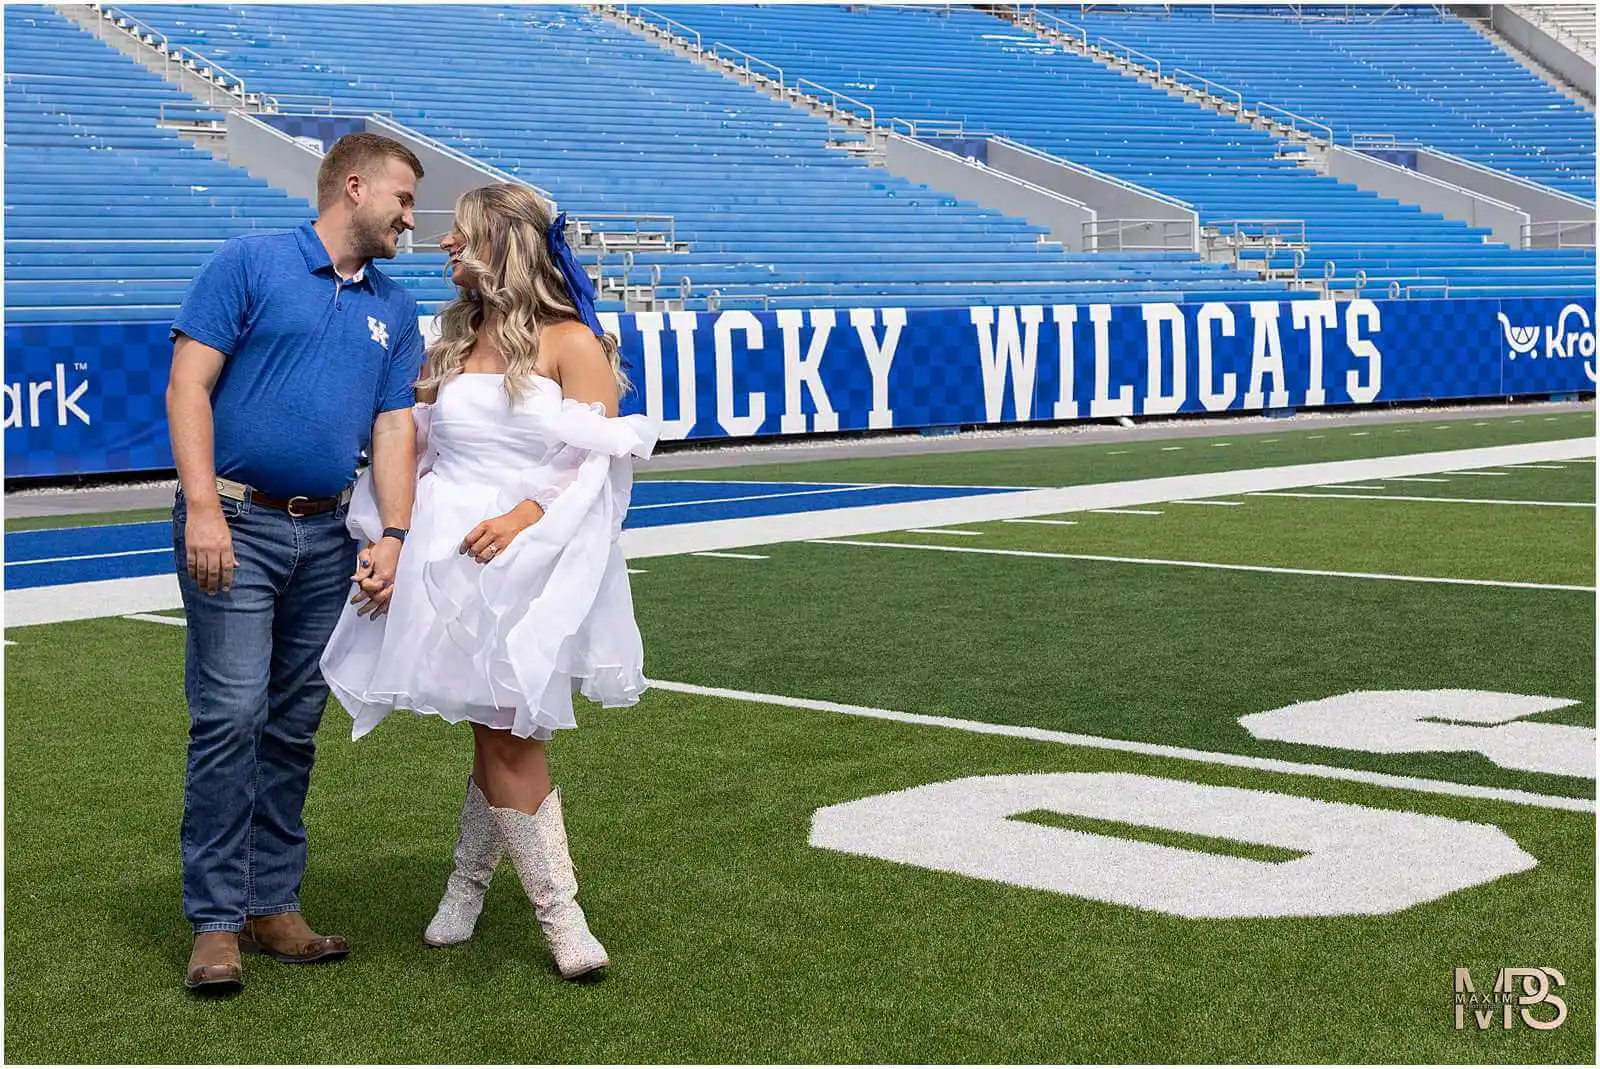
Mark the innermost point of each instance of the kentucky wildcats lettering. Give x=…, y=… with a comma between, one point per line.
x=740, y=373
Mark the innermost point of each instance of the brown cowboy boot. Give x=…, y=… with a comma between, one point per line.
x=214, y=966
x=287, y=938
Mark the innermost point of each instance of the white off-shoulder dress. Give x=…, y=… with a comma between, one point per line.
x=506, y=643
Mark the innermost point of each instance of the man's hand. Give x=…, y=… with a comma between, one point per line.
x=374, y=576
x=491, y=537
x=210, y=547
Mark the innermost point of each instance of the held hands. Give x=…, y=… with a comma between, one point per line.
x=375, y=569
x=491, y=537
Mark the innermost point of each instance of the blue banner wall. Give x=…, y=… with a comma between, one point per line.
x=87, y=398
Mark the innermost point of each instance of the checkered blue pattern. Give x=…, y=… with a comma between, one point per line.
x=122, y=368
x=1429, y=350
x=325, y=128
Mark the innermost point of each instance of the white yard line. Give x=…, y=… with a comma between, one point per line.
x=1125, y=512
x=943, y=531
x=1538, y=467
x=1347, y=486
x=1047, y=523
x=1415, y=479
x=1491, y=474
x=1212, y=565
x=1148, y=749
x=148, y=617
x=89, y=556
x=1226, y=504
x=1441, y=500
x=731, y=556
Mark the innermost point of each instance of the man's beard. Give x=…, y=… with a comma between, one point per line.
x=371, y=238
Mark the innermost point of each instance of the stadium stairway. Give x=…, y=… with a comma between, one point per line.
x=85, y=141
x=964, y=66
x=1410, y=72
x=608, y=122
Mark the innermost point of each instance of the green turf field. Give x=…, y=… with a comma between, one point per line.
x=736, y=939
x=1299, y=442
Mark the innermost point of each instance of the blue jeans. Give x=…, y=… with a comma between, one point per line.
x=256, y=696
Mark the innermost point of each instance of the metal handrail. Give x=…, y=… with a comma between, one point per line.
x=1131, y=52
x=636, y=218
x=1270, y=228
x=1102, y=176
x=748, y=60
x=1096, y=230
x=409, y=240
x=1072, y=29
x=920, y=128
x=309, y=104
x=1262, y=105
x=1380, y=140
x=942, y=128
x=715, y=298
x=179, y=106
x=115, y=15
x=1211, y=86
x=1420, y=282
x=671, y=24
x=1559, y=227
x=872, y=115
x=456, y=155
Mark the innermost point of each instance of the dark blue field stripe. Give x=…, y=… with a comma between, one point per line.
x=692, y=512
x=28, y=563
x=23, y=576
x=672, y=491
x=78, y=541
x=81, y=541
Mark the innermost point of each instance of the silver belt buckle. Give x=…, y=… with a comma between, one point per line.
x=291, y=507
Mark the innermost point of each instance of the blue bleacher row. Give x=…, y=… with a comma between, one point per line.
x=1416, y=74
x=610, y=122
x=965, y=66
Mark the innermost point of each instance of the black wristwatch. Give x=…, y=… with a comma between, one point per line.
x=394, y=532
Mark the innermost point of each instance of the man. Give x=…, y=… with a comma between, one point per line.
x=290, y=352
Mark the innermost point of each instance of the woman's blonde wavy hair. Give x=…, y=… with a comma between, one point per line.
x=505, y=230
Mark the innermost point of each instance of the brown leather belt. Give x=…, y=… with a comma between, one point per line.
x=295, y=506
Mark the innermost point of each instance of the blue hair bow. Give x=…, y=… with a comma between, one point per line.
x=577, y=279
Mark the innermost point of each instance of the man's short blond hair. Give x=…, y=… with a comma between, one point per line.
x=361, y=154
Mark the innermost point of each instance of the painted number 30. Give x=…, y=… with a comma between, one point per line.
x=1337, y=859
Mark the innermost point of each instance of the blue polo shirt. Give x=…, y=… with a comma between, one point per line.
x=312, y=359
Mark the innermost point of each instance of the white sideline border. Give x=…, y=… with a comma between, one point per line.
x=119, y=597
x=1098, y=742
x=1150, y=749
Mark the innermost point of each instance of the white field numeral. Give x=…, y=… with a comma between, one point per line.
x=1356, y=860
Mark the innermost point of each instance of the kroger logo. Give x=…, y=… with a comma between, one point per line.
x=1572, y=335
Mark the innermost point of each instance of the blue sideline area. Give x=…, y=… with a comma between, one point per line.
x=122, y=551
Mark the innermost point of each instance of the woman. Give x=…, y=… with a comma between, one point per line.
x=511, y=589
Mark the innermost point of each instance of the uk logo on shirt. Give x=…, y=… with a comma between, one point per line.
x=380, y=331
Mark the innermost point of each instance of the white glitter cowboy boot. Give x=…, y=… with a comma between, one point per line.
x=478, y=851
x=538, y=847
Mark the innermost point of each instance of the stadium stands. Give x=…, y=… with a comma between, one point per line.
x=108, y=214
x=611, y=123
x=964, y=65
x=1409, y=71
x=1573, y=23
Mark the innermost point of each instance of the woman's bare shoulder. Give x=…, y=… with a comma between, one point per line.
x=566, y=344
